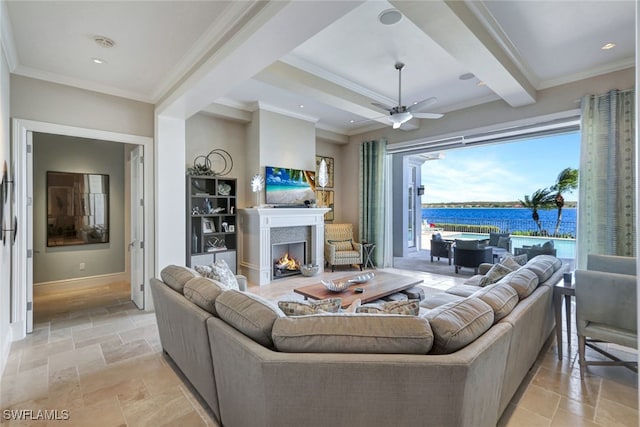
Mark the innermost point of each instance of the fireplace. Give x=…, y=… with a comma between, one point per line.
x=287, y=258
x=263, y=227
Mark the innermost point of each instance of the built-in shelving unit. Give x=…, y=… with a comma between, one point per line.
x=211, y=220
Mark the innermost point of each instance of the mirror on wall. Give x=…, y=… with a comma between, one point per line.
x=77, y=208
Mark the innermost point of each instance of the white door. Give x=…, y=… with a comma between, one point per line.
x=28, y=224
x=136, y=246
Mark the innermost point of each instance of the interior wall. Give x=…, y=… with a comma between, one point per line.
x=68, y=154
x=327, y=149
x=5, y=249
x=55, y=103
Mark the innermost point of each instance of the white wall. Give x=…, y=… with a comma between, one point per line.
x=5, y=254
x=55, y=103
x=79, y=155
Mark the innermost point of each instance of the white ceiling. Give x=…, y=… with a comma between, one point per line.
x=515, y=47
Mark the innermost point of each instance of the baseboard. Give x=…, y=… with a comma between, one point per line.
x=79, y=283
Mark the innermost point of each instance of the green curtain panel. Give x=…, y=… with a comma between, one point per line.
x=606, y=205
x=372, y=204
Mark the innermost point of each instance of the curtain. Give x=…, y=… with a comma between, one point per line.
x=372, y=208
x=607, y=183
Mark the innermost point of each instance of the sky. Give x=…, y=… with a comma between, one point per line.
x=500, y=172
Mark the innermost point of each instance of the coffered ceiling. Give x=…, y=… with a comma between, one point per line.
x=322, y=61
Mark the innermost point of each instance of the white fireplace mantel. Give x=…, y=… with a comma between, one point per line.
x=256, y=225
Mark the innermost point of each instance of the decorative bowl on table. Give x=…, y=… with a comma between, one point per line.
x=309, y=270
x=336, y=286
x=363, y=278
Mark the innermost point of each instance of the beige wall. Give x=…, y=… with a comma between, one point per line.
x=54, y=103
x=68, y=154
x=327, y=149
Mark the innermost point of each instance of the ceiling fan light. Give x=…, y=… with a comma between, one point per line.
x=400, y=118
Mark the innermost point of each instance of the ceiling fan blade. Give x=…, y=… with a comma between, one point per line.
x=382, y=106
x=423, y=104
x=427, y=115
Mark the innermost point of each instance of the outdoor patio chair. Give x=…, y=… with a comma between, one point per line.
x=606, y=310
x=469, y=253
x=441, y=248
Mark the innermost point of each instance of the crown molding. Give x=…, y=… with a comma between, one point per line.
x=267, y=107
x=502, y=40
x=79, y=83
x=297, y=62
x=220, y=28
x=6, y=37
x=612, y=67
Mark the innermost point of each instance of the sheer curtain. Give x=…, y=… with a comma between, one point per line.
x=606, y=205
x=372, y=188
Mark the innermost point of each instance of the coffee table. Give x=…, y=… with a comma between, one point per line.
x=381, y=285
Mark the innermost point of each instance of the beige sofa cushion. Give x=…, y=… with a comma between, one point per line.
x=542, y=267
x=203, y=292
x=497, y=272
x=176, y=276
x=557, y=263
x=457, y=324
x=353, y=333
x=501, y=297
x=249, y=314
x=524, y=281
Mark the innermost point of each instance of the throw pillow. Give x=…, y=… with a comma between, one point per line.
x=497, y=272
x=407, y=307
x=510, y=263
x=520, y=259
x=548, y=244
x=342, y=245
x=503, y=242
x=305, y=308
x=437, y=237
x=221, y=272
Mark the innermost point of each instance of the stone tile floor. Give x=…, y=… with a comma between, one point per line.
x=102, y=362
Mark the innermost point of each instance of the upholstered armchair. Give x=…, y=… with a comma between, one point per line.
x=535, y=250
x=469, y=253
x=340, y=248
x=606, y=310
x=440, y=248
x=500, y=243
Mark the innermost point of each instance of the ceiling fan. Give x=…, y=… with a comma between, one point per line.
x=401, y=114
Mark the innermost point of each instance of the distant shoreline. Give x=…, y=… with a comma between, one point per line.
x=568, y=204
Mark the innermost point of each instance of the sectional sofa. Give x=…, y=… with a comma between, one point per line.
x=457, y=364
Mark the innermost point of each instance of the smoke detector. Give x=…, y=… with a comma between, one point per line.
x=103, y=41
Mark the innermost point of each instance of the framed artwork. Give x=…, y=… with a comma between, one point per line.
x=325, y=200
x=330, y=168
x=207, y=226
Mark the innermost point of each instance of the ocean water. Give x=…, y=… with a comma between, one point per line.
x=508, y=219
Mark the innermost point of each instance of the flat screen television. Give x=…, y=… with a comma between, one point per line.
x=286, y=186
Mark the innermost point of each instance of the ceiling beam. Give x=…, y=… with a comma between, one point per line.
x=456, y=29
x=268, y=31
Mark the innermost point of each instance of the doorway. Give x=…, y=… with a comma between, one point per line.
x=22, y=148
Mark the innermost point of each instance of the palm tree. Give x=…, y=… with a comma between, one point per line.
x=540, y=199
x=567, y=181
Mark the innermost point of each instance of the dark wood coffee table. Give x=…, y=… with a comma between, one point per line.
x=381, y=285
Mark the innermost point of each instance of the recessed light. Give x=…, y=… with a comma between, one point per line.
x=389, y=17
x=466, y=76
x=98, y=61
x=352, y=121
x=301, y=106
x=608, y=46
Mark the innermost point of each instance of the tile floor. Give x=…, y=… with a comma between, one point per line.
x=101, y=361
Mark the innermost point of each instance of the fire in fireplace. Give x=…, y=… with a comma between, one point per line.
x=287, y=258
